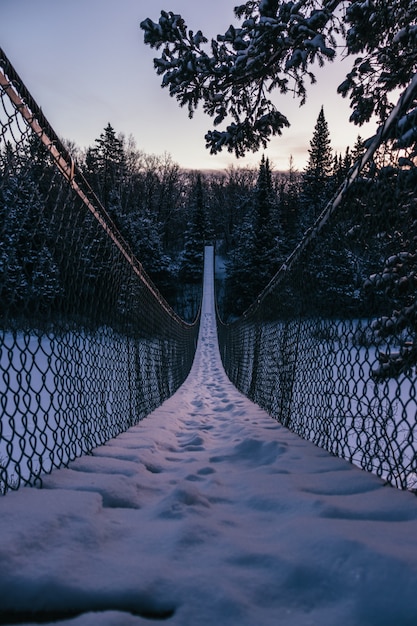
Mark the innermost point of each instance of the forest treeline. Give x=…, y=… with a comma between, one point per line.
x=256, y=217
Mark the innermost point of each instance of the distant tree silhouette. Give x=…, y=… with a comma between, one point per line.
x=317, y=176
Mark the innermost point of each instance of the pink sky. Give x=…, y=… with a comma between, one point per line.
x=86, y=65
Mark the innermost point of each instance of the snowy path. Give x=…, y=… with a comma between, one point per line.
x=209, y=513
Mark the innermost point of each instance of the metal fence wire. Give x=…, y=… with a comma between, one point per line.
x=329, y=349
x=88, y=346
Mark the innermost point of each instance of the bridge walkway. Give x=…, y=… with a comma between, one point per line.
x=209, y=512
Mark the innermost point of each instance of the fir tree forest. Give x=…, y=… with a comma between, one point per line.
x=255, y=217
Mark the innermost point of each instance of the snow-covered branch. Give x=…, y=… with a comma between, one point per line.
x=274, y=48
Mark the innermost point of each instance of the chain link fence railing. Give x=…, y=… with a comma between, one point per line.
x=330, y=347
x=88, y=347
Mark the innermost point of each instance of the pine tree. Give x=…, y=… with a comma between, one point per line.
x=150, y=251
x=191, y=263
x=239, y=292
x=347, y=161
x=319, y=169
x=106, y=169
x=190, y=272
x=341, y=166
x=358, y=149
x=278, y=46
x=232, y=204
x=264, y=249
x=319, y=164
x=29, y=276
x=255, y=258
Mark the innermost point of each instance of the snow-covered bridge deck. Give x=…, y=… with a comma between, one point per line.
x=209, y=512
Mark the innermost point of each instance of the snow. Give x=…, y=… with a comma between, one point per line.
x=209, y=512
x=35, y=393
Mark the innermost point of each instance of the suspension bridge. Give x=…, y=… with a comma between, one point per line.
x=209, y=510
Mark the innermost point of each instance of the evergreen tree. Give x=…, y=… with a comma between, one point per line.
x=134, y=189
x=106, y=169
x=239, y=292
x=191, y=262
x=255, y=258
x=347, y=161
x=341, y=166
x=191, y=259
x=232, y=200
x=318, y=173
x=29, y=276
x=277, y=47
x=264, y=248
x=149, y=250
x=319, y=166
x=358, y=149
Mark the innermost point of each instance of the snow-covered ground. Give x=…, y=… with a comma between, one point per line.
x=61, y=395
x=331, y=397
x=209, y=513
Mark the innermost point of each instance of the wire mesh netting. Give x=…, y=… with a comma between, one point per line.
x=329, y=349
x=88, y=346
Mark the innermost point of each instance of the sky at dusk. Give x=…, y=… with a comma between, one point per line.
x=86, y=65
